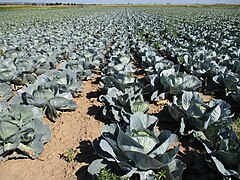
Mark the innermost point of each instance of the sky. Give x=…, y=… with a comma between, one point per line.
x=131, y=1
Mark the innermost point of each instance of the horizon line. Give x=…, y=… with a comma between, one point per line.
x=65, y=3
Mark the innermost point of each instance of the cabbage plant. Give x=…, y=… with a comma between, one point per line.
x=194, y=115
x=24, y=65
x=119, y=81
x=5, y=91
x=170, y=81
x=17, y=71
x=120, y=105
x=231, y=82
x=119, y=64
x=8, y=71
x=82, y=68
x=176, y=83
x=66, y=80
x=48, y=98
x=140, y=149
x=22, y=133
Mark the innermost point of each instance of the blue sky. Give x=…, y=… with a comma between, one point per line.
x=131, y=1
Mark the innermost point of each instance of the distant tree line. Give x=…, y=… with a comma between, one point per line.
x=57, y=4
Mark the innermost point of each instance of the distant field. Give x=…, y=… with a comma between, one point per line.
x=176, y=5
x=17, y=7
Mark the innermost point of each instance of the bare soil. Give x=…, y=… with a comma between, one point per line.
x=73, y=130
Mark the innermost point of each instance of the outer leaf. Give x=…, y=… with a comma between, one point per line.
x=143, y=161
x=61, y=103
x=95, y=167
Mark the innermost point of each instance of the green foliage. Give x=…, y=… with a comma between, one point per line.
x=161, y=175
x=157, y=45
x=2, y=53
x=69, y=155
x=106, y=174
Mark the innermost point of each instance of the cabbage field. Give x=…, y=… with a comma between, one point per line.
x=142, y=92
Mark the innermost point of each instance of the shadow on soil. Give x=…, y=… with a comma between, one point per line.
x=82, y=173
x=97, y=80
x=86, y=155
x=96, y=112
x=95, y=94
